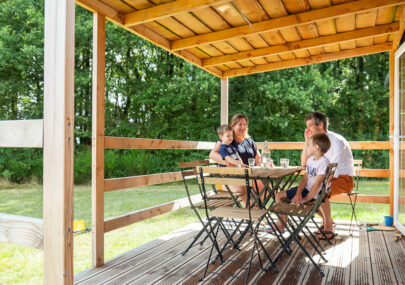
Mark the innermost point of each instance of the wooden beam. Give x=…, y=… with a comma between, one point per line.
x=398, y=36
x=144, y=214
x=224, y=101
x=22, y=133
x=285, y=22
x=142, y=31
x=353, y=145
x=58, y=141
x=167, y=10
x=25, y=231
x=309, y=60
x=97, y=148
x=380, y=173
x=113, y=184
x=391, y=127
x=138, y=143
x=304, y=44
x=375, y=199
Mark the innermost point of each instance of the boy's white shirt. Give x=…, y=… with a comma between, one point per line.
x=314, y=168
x=341, y=153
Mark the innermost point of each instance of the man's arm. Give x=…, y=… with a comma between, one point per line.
x=304, y=154
x=215, y=156
x=314, y=189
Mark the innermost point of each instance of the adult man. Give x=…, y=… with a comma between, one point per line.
x=339, y=152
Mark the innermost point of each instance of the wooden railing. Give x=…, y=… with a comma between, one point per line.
x=116, y=184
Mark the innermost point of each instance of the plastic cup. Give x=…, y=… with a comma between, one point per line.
x=284, y=162
x=252, y=162
x=388, y=220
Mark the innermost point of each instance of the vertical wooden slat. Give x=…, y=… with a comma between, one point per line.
x=224, y=101
x=391, y=106
x=97, y=185
x=58, y=141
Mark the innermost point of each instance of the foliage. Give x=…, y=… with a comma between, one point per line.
x=151, y=93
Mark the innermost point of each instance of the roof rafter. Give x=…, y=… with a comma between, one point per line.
x=304, y=44
x=398, y=36
x=144, y=32
x=285, y=22
x=167, y=10
x=309, y=60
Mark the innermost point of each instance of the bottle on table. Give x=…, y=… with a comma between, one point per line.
x=266, y=158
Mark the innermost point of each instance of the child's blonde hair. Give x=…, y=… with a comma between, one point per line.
x=223, y=129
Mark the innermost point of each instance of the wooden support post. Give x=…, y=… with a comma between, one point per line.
x=224, y=101
x=391, y=126
x=58, y=141
x=97, y=177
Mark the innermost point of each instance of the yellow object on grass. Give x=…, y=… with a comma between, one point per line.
x=78, y=225
x=219, y=187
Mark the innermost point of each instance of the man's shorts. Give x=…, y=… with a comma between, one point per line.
x=341, y=184
x=291, y=192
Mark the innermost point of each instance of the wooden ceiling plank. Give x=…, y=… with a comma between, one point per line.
x=143, y=31
x=287, y=21
x=397, y=38
x=304, y=44
x=167, y=10
x=308, y=61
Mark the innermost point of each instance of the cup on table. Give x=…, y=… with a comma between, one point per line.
x=284, y=162
x=252, y=162
x=388, y=220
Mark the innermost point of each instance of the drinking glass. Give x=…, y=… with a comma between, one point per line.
x=252, y=162
x=284, y=162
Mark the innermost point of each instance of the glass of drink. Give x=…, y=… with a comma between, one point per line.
x=252, y=162
x=284, y=162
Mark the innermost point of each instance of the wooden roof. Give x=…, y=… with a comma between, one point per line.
x=239, y=37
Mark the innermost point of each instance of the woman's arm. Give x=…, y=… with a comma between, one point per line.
x=215, y=156
x=234, y=162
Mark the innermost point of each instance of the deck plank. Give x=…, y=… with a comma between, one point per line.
x=361, y=259
x=396, y=251
x=380, y=261
x=180, y=234
x=364, y=258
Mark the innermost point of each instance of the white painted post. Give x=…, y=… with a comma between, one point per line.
x=224, y=101
x=58, y=141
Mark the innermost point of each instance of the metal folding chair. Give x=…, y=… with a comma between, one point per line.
x=249, y=217
x=299, y=216
x=216, y=199
x=353, y=195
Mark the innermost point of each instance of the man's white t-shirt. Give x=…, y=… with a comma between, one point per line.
x=314, y=168
x=341, y=153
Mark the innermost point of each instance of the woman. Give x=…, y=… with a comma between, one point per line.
x=245, y=146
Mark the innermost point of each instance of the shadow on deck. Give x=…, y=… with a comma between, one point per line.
x=364, y=258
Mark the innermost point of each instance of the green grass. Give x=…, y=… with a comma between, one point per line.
x=20, y=265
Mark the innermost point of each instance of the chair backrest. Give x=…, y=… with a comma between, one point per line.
x=326, y=185
x=188, y=169
x=226, y=176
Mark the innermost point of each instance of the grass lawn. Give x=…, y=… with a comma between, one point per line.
x=21, y=265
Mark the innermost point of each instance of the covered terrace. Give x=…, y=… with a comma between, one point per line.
x=227, y=39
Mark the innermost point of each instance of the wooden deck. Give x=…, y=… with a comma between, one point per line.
x=364, y=258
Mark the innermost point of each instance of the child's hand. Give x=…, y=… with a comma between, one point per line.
x=297, y=199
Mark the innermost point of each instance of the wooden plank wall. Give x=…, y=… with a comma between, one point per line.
x=25, y=231
x=21, y=133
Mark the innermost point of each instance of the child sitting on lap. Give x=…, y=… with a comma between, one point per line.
x=227, y=151
x=311, y=182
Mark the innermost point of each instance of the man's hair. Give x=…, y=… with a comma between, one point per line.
x=322, y=141
x=318, y=117
x=223, y=129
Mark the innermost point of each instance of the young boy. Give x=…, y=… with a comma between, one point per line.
x=227, y=151
x=311, y=182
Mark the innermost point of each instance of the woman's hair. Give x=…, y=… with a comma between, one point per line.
x=235, y=119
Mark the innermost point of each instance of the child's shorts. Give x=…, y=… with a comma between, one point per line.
x=291, y=192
